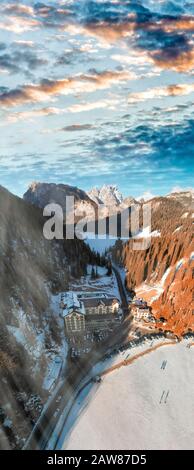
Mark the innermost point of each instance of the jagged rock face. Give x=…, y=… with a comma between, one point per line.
x=41, y=194
x=163, y=274
x=127, y=202
x=107, y=194
x=94, y=194
x=110, y=201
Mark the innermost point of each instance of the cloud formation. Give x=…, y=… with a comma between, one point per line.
x=161, y=92
x=33, y=114
x=110, y=83
x=47, y=88
x=21, y=60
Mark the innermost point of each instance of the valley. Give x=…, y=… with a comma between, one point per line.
x=96, y=231
x=82, y=305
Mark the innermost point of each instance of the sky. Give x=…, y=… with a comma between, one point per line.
x=97, y=92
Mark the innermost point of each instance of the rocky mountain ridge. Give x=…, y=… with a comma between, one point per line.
x=40, y=194
x=107, y=194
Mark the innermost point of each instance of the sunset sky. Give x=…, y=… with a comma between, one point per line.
x=95, y=92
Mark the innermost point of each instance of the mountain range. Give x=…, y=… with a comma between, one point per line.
x=41, y=194
x=98, y=202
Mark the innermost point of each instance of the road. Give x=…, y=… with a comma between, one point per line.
x=75, y=373
x=121, y=291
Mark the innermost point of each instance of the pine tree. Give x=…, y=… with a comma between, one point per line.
x=109, y=268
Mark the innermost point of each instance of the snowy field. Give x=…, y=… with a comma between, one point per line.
x=105, y=284
x=145, y=405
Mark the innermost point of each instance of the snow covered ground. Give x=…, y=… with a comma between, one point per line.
x=105, y=284
x=151, y=292
x=145, y=405
x=145, y=233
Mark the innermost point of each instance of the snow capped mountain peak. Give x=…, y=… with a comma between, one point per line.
x=107, y=194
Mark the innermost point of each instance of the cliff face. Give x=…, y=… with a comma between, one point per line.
x=107, y=194
x=41, y=194
x=163, y=274
x=32, y=271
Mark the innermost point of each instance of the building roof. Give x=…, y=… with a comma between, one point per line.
x=72, y=304
x=99, y=318
x=93, y=302
x=91, y=294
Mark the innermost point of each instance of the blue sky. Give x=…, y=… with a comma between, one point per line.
x=95, y=92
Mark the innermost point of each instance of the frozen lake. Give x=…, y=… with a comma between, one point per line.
x=146, y=405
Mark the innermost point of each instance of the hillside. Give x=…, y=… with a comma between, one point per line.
x=32, y=271
x=163, y=274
